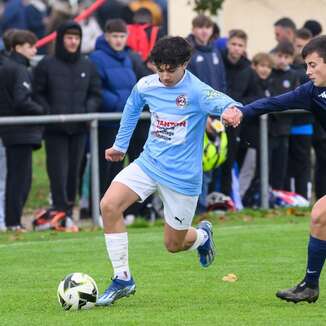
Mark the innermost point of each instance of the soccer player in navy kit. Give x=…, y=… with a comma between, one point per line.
x=310, y=96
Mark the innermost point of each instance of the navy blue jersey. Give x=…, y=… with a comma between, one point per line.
x=306, y=96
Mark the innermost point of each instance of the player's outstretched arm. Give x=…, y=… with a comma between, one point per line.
x=130, y=117
x=300, y=98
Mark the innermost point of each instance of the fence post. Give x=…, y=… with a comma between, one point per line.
x=264, y=169
x=95, y=174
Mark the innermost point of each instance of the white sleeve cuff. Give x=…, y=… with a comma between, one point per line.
x=119, y=149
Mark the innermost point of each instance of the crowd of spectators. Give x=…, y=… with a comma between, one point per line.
x=92, y=67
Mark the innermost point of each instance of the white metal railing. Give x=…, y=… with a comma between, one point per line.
x=93, y=118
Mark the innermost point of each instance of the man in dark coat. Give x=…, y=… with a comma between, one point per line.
x=66, y=83
x=16, y=100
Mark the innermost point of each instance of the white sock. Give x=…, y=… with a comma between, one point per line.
x=202, y=237
x=117, y=248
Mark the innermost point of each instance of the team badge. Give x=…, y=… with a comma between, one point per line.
x=181, y=101
x=286, y=83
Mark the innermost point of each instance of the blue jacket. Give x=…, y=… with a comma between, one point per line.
x=206, y=63
x=116, y=73
x=13, y=15
x=34, y=20
x=306, y=96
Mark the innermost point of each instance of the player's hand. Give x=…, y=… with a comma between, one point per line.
x=232, y=116
x=113, y=155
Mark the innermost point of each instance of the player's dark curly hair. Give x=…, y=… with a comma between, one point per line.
x=172, y=51
x=318, y=45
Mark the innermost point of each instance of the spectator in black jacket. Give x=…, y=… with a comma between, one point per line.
x=283, y=79
x=6, y=37
x=19, y=141
x=241, y=85
x=66, y=83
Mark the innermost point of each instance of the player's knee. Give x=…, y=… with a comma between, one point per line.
x=108, y=207
x=318, y=216
x=173, y=246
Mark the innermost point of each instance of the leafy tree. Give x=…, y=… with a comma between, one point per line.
x=213, y=6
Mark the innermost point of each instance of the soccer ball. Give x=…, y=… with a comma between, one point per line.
x=77, y=291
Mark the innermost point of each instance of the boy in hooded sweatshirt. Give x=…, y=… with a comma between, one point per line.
x=66, y=83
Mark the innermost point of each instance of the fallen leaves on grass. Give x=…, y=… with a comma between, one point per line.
x=247, y=218
x=230, y=278
x=16, y=237
x=273, y=213
x=296, y=212
x=223, y=218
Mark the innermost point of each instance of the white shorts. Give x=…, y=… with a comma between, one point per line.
x=179, y=209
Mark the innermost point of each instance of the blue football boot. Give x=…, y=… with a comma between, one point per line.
x=116, y=290
x=206, y=252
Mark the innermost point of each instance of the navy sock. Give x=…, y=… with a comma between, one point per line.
x=316, y=259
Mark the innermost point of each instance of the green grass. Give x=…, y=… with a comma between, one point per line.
x=266, y=254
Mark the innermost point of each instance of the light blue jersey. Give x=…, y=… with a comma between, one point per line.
x=172, y=154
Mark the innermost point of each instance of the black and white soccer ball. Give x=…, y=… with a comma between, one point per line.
x=77, y=291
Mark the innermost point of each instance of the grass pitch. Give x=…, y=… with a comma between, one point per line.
x=266, y=253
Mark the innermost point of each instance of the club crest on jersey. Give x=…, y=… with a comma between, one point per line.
x=181, y=101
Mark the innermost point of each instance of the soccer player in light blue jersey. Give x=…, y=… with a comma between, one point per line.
x=170, y=164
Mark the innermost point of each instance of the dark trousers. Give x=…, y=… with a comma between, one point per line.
x=19, y=180
x=64, y=155
x=299, y=164
x=226, y=167
x=107, y=170
x=320, y=169
x=278, y=161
